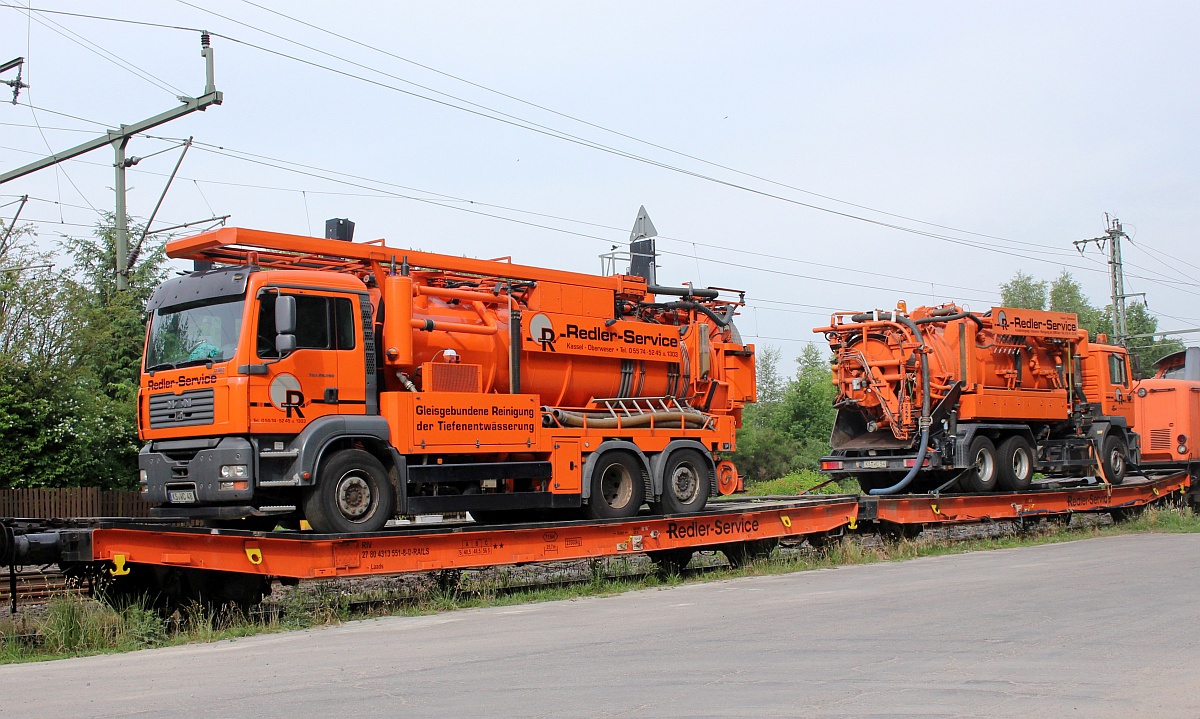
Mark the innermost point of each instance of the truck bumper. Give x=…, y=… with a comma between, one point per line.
x=841, y=465
x=186, y=473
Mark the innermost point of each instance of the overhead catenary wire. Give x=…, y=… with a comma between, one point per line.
x=560, y=135
x=610, y=130
x=531, y=125
x=713, y=179
x=99, y=51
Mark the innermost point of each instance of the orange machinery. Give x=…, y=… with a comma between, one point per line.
x=349, y=382
x=941, y=396
x=1167, y=409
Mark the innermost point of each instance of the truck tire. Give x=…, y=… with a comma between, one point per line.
x=352, y=494
x=1115, y=458
x=686, y=482
x=1016, y=462
x=982, y=455
x=617, y=487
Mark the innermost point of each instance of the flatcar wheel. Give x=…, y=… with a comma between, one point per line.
x=617, y=487
x=1016, y=464
x=352, y=494
x=982, y=455
x=739, y=554
x=672, y=561
x=686, y=482
x=1115, y=458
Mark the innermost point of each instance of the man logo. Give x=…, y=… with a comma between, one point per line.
x=286, y=395
x=1002, y=320
x=541, y=330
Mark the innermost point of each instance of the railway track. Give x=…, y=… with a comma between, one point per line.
x=37, y=586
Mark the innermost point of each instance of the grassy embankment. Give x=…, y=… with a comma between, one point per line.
x=76, y=626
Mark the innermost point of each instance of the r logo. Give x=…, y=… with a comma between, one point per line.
x=541, y=330
x=286, y=395
x=1002, y=320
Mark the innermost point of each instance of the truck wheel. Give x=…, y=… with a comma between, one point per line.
x=352, y=494
x=1016, y=464
x=686, y=482
x=617, y=489
x=983, y=456
x=1115, y=458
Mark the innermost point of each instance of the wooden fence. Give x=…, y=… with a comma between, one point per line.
x=71, y=502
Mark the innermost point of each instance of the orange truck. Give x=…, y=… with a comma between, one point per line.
x=1167, y=411
x=346, y=383
x=941, y=397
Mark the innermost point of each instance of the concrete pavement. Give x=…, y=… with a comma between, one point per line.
x=1098, y=628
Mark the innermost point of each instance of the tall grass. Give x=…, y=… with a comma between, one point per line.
x=803, y=480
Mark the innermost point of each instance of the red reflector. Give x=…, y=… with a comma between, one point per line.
x=831, y=464
x=913, y=462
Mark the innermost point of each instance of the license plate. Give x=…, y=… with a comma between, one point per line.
x=874, y=464
x=181, y=496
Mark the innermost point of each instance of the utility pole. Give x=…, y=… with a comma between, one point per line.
x=118, y=139
x=1116, y=274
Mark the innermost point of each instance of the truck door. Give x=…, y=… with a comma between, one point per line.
x=293, y=392
x=1118, y=395
x=351, y=386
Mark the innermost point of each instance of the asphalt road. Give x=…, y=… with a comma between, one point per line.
x=1098, y=628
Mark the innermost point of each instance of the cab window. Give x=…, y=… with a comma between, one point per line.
x=1117, y=373
x=321, y=323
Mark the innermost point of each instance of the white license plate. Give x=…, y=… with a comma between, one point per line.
x=181, y=496
x=874, y=464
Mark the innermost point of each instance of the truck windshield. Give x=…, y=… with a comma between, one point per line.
x=195, y=335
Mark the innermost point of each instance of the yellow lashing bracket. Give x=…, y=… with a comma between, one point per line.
x=786, y=520
x=119, y=569
x=1155, y=490
x=853, y=522
x=254, y=554
x=934, y=507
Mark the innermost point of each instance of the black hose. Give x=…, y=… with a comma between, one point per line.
x=887, y=317
x=950, y=318
x=912, y=473
x=682, y=292
x=689, y=305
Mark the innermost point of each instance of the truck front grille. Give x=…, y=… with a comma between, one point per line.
x=181, y=410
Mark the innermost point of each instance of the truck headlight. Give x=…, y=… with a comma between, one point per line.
x=238, y=471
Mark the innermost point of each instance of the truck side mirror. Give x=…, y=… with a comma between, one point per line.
x=285, y=344
x=285, y=315
x=285, y=325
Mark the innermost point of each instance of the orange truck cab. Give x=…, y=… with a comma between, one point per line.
x=1167, y=408
x=346, y=383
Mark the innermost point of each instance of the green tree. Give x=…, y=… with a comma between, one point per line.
x=1066, y=295
x=1024, y=291
x=788, y=430
x=70, y=345
x=1145, y=351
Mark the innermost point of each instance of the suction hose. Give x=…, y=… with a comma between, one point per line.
x=692, y=420
x=925, y=421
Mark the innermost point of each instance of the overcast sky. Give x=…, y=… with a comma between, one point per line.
x=1012, y=126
